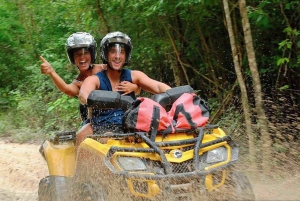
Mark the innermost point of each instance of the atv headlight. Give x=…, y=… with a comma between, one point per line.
x=131, y=164
x=216, y=155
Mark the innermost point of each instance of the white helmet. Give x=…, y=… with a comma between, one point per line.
x=115, y=38
x=81, y=40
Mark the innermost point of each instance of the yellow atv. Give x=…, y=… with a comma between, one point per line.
x=185, y=165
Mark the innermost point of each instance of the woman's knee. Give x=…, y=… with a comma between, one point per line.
x=84, y=132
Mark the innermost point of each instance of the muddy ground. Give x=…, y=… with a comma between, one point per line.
x=22, y=167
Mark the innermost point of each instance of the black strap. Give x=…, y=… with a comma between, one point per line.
x=167, y=131
x=154, y=122
x=188, y=117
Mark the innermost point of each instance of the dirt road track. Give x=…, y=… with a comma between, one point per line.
x=21, y=168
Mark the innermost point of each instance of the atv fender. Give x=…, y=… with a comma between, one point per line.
x=60, y=158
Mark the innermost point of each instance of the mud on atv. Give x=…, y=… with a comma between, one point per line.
x=186, y=165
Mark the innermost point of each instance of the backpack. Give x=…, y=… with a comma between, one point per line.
x=147, y=115
x=189, y=112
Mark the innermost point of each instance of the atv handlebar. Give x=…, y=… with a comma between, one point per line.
x=110, y=99
x=171, y=95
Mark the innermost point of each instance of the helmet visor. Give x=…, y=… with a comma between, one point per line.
x=118, y=50
x=81, y=51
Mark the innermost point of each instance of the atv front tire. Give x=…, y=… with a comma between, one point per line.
x=237, y=187
x=55, y=188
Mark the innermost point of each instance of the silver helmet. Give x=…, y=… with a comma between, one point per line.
x=115, y=38
x=81, y=40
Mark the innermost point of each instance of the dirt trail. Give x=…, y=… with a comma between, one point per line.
x=22, y=167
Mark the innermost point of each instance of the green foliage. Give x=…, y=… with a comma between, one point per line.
x=259, y=16
x=64, y=106
x=32, y=113
x=287, y=47
x=285, y=87
x=283, y=61
x=65, y=113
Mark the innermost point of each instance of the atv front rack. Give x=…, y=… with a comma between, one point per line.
x=156, y=147
x=63, y=137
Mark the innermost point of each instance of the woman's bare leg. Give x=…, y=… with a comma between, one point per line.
x=82, y=133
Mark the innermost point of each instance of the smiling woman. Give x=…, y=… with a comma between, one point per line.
x=82, y=58
x=81, y=52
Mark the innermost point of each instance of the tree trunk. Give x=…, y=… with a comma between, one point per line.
x=101, y=16
x=178, y=69
x=207, y=58
x=262, y=119
x=239, y=74
x=225, y=102
x=28, y=23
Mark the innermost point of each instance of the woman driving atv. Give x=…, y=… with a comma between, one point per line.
x=81, y=52
x=115, y=51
